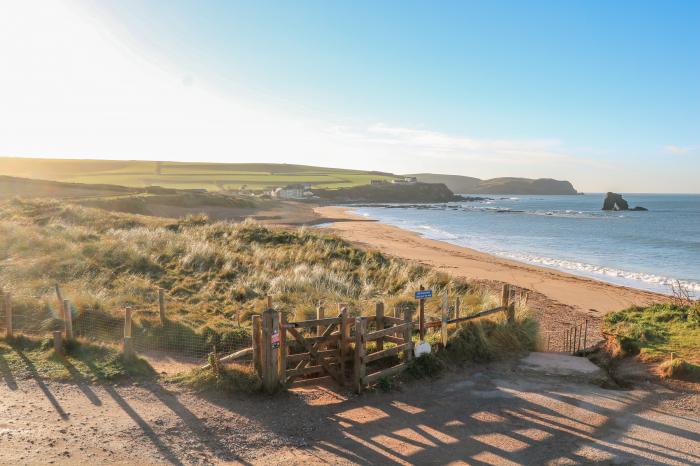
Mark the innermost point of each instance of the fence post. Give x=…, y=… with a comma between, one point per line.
x=283, y=348
x=445, y=318
x=575, y=339
x=59, y=296
x=161, y=305
x=344, y=340
x=68, y=319
x=421, y=316
x=257, y=357
x=458, y=305
x=585, y=336
x=505, y=296
x=270, y=350
x=379, y=319
x=128, y=343
x=359, y=366
x=127, y=322
x=7, y=300
x=407, y=334
x=57, y=342
x=511, y=313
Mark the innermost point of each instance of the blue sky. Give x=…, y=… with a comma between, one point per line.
x=605, y=94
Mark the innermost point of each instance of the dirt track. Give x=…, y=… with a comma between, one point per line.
x=483, y=415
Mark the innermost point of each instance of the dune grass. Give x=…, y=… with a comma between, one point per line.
x=215, y=274
x=666, y=333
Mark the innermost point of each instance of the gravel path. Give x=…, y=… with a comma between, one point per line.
x=496, y=414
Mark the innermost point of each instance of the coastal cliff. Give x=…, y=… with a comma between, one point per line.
x=470, y=185
x=387, y=192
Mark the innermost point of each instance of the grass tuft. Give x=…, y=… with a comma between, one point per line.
x=232, y=379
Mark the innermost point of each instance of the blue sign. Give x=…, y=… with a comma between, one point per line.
x=422, y=294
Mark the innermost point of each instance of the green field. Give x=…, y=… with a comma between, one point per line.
x=184, y=175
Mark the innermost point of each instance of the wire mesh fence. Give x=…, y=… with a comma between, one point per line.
x=150, y=333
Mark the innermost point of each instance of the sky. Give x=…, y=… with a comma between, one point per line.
x=604, y=94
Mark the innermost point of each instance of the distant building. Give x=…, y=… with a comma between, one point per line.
x=405, y=180
x=295, y=191
x=377, y=181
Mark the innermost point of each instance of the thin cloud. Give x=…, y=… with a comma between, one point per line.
x=673, y=149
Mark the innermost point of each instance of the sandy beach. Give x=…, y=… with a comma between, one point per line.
x=585, y=296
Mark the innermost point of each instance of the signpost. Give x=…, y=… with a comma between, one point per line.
x=421, y=295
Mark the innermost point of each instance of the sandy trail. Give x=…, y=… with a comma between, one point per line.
x=496, y=414
x=582, y=294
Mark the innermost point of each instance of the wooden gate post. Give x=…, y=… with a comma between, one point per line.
x=458, y=305
x=320, y=314
x=68, y=319
x=359, y=366
x=257, y=357
x=270, y=350
x=7, y=301
x=407, y=334
x=445, y=318
x=379, y=320
x=283, y=348
x=344, y=342
x=421, y=316
x=161, y=305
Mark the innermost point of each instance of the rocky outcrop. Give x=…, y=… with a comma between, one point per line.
x=614, y=201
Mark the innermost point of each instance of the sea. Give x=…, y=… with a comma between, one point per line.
x=645, y=250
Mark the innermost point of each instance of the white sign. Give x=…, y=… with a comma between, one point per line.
x=421, y=348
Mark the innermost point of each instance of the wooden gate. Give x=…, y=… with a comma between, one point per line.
x=386, y=329
x=323, y=355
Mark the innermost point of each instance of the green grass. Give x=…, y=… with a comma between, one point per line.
x=181, y=175
x=232, y=379
x=32, y=357
x=661, y=332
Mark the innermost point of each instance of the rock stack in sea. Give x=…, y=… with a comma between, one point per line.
x=614, y=201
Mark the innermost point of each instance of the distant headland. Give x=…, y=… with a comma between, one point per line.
x=469, y=185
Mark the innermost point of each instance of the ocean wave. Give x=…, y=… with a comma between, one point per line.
x=659, y=281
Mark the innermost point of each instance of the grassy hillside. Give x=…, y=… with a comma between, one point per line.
x=469, y=185
x=211, y=176
x=666, y=333
x=214, y=273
